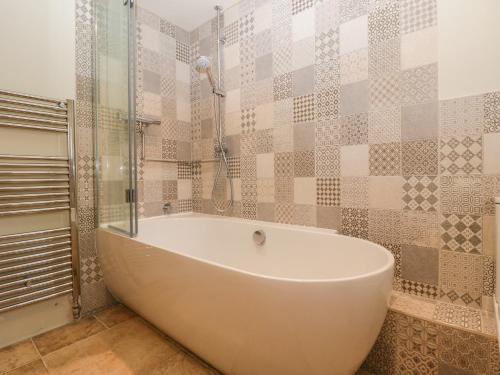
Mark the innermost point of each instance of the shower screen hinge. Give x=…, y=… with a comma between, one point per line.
x=129, y=195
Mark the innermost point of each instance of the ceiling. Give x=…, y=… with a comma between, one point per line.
x=187, y=14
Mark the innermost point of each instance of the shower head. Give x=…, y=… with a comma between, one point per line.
x=203, y=66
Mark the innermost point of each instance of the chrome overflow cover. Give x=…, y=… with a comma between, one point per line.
x=259, y=237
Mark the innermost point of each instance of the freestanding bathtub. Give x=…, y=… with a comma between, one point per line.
x=308, y=301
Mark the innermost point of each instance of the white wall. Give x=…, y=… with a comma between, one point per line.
x=469, y=47
x=37, y=47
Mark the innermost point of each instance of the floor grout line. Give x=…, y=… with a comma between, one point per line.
x=100, y=321
x=39, y=354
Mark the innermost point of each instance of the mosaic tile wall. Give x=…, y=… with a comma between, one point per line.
x=164, y=92
x=332, y=119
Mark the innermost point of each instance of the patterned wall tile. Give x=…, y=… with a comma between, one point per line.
x=421, y=193
x=492, y=112
x=283, y=189
x=384, y=226
x=350, y=9
x=462, y=233
x=326, y=104
x=420, y=228
x=354, y=66
x=489, y=276
x=304, y=163
x=383, y=23
x=420, y=157
x=461, y=195
x=327, y=133
x=355, y=222
x=264, y=141
x=461, y=278
x=248, y=120
x=419, y=85
x=354, y=129
x=384, y=58
x=384, y=125
x=458, y=316
x=385, y=159
x=301, y=5
x=354, y=192
x=417, y=335
x=417, y=15
x=464, y=351
x=328, y=191
x=284, y=213
x=327, y=161
x=327, y=15
x=462, y=117
x=327, y=46
x=231, y=33
x=491, y=189
x=461, y=155
x=303, y=108
x=419, y=289
x=385, y=90
x=382, y=357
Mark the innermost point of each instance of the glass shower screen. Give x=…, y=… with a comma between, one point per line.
x=114, y=106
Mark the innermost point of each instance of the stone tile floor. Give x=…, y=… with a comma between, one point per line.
x=113, y=341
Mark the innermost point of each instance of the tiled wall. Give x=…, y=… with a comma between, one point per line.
x=333, y=119
x=93, y=290
x=164, y=92
x=410, y=345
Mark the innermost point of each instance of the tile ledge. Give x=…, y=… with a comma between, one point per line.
x=425, y=309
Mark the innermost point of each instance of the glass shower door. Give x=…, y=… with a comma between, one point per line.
x=115, y=115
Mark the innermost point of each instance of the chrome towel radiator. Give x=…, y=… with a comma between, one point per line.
x=42, y=262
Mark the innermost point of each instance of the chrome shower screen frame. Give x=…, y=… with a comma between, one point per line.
x=114, y=120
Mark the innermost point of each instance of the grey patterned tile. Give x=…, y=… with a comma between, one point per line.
x=355, y=222
x=421, y=193
x=420, y=157
x=385, y=159
x=461, y=155
x=383, y=23
x=462, y=233
x=461, y=278
x=354, y=129
x=417, y=15
x=419, y=85
x=492, y=112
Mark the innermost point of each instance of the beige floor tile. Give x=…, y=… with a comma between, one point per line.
x=183, y=364
x=125, y=349
x=16, y=355
x=33, y=368
x=114, y=315
x=66, y=335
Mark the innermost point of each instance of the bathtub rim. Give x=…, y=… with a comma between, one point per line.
x=379, y=271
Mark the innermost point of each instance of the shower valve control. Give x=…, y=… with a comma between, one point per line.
x=259, y=237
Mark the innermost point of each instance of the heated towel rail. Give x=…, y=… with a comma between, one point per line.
x=39, y=264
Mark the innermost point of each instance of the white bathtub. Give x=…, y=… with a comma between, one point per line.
x=309, y=301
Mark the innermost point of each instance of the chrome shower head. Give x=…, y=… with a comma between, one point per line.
x=203, y=66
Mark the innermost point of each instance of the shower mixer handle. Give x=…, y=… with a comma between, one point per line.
x=219, y=93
